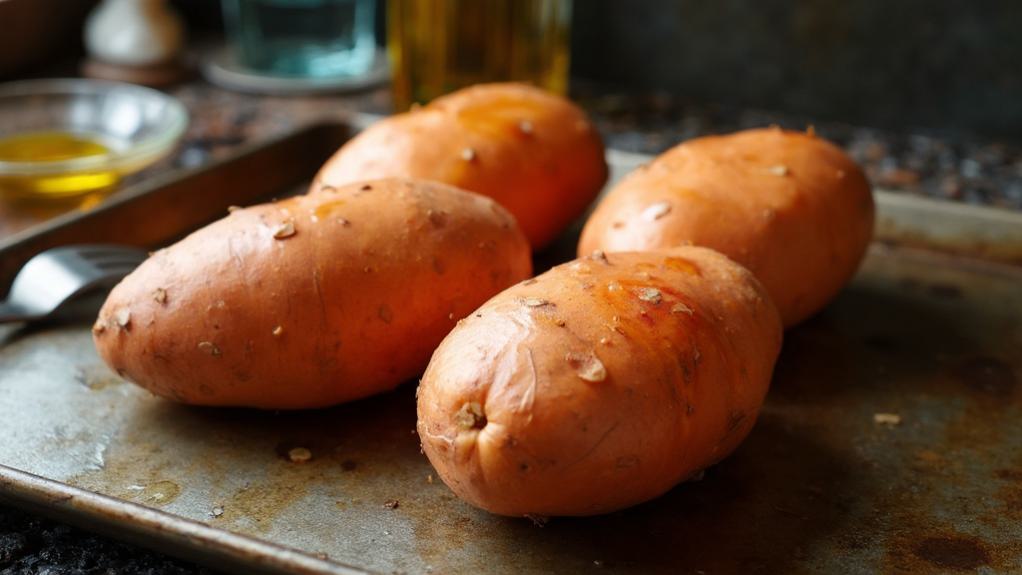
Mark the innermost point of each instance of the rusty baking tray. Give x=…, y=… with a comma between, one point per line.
x=891, y=440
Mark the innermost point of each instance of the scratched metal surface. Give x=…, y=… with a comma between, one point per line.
x=820, y=485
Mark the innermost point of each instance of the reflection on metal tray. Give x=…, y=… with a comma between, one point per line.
x=927, y=340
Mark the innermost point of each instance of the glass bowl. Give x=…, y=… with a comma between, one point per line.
x=63, y=139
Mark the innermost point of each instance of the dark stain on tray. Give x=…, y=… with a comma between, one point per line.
x=946, y=291
x=882, y=342
x=1009, y=474
x=953, y=552
x=988, y=375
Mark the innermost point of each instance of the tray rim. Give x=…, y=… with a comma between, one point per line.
x=159, y=530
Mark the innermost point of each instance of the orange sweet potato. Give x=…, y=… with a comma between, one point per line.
x=534, y=152
x=599, y=384
x=310, y=301
x=791, y=207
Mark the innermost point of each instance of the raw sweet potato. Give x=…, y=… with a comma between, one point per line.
x=791, y=207
x=313, y=300
x=599, y=384
x=534, y=152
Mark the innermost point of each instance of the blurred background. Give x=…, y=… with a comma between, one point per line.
x=926, y=95
x=932, y=65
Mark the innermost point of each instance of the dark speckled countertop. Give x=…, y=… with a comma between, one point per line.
x=938, y=165
x=964, y=169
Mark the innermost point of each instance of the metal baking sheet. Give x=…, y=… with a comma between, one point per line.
x=889, y=443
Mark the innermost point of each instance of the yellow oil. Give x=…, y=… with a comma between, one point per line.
x=437, y=46
x=53, y=147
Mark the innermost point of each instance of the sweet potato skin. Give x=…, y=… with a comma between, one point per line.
x=536, y=153
x=791, y=207
x=599, y=384
x=310, y=301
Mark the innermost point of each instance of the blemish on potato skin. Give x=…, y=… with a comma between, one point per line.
x=209, y=348
x=385, y=313
x=681, y=308
x=470, y=416
x=122, y=319
x=686, y=375
x=626, y=461
x=587, y=366
x=655, y=211
x=437, y=218
x=579, y=267
x=651, y=295
x=160, y=296
x=734, y=420
x=285, y=230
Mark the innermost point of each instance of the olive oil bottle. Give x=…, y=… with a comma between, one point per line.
x=437, y=46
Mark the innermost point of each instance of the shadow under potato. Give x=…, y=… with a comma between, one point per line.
x=780, y=491
x=756, y=511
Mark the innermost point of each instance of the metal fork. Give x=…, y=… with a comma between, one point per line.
x=54, y=279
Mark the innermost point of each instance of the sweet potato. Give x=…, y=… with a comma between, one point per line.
x=313, y=300
x=599, y=384
x=791, y=207
x=534, y=152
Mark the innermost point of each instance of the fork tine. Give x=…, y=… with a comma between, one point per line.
x=101, y=248
x=113, y=257
x=115, y=267
x=126, y=257
x=91, y=251
x=52, y=278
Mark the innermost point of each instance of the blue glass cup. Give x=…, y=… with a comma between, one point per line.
x=302, y=38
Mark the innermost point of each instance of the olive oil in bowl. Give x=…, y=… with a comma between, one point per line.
x=54, y=165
